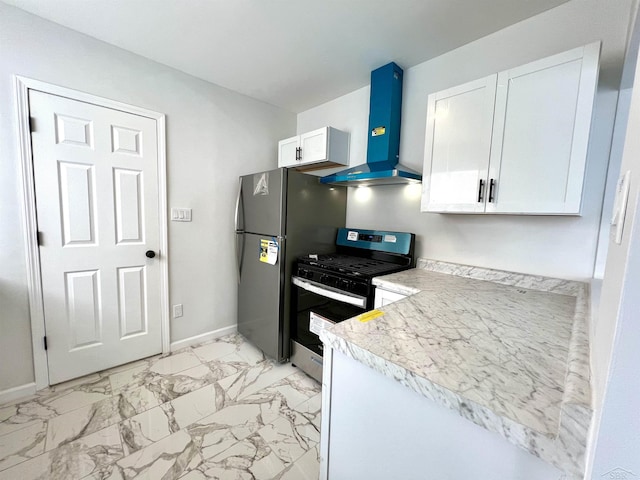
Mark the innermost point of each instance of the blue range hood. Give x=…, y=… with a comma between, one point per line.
x=383, y=147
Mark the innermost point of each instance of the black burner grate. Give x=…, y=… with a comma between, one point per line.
x=351, y=264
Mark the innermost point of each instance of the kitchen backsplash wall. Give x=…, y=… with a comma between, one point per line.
x=562, y=247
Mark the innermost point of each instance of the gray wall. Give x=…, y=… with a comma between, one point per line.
x=617, y=336
x=213, y=136
x=554, y=246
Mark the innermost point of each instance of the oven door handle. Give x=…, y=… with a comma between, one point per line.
x=325, y=291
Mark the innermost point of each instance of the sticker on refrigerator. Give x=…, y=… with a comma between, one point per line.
x=390, y=238
x=318, y=323
x=268, y=251
x=353, y=236
x=261, y=183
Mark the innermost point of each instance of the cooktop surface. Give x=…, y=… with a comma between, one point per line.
x=340, y=262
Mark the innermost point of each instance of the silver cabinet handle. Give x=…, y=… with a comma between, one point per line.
x=316, y=361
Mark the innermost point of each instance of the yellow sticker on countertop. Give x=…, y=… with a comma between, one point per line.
x=365, y=317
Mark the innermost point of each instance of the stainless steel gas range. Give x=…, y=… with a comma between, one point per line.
x=331, y=288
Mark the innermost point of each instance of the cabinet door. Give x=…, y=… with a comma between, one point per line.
x=314, y=146
x=457, y=147
x=385, y=297
x=287, y=152
x=541, y=132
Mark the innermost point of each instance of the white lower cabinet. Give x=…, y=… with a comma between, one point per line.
x=514, y=142
x=385, y=297
x=374, y=428
x=322, y=148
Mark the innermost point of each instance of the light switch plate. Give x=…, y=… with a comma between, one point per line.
x=180, y=214
x=620, y=206
x=177, y=310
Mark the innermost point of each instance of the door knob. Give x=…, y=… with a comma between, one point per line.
x=150, y=253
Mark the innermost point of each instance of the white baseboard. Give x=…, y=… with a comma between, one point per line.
x=15, y=393
x=203, y=337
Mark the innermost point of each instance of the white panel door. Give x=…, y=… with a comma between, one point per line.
x=96, y=186
x=457, y=147
x=314, y=146
x=541, y=133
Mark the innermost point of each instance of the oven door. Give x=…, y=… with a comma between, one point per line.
x=318, y=306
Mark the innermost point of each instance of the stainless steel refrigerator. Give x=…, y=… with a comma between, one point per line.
x=286, y=214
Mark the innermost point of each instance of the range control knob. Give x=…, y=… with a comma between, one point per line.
x=304, y=273
x=344, y=284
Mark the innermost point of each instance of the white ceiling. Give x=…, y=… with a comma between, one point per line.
x=292, y=53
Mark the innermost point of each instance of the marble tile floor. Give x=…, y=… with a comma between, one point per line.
x=219, y=410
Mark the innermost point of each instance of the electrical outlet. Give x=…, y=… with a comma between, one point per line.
x=177, y=310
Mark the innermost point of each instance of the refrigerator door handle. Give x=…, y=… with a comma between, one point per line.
x=239, y=254
x=238, y=206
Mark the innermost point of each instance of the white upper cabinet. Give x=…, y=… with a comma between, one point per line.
x=541, y=133
x=457, y=147
x=525, y=156
x=323, y=148
x=288, y=152
x=313, y=145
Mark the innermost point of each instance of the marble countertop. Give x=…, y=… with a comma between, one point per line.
x=507, y=351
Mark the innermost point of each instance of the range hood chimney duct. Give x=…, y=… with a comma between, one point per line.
x=383, y=146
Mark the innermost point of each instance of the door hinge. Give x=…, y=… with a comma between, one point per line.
x=46, y=347
x=39, y=238
x=32, y=124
